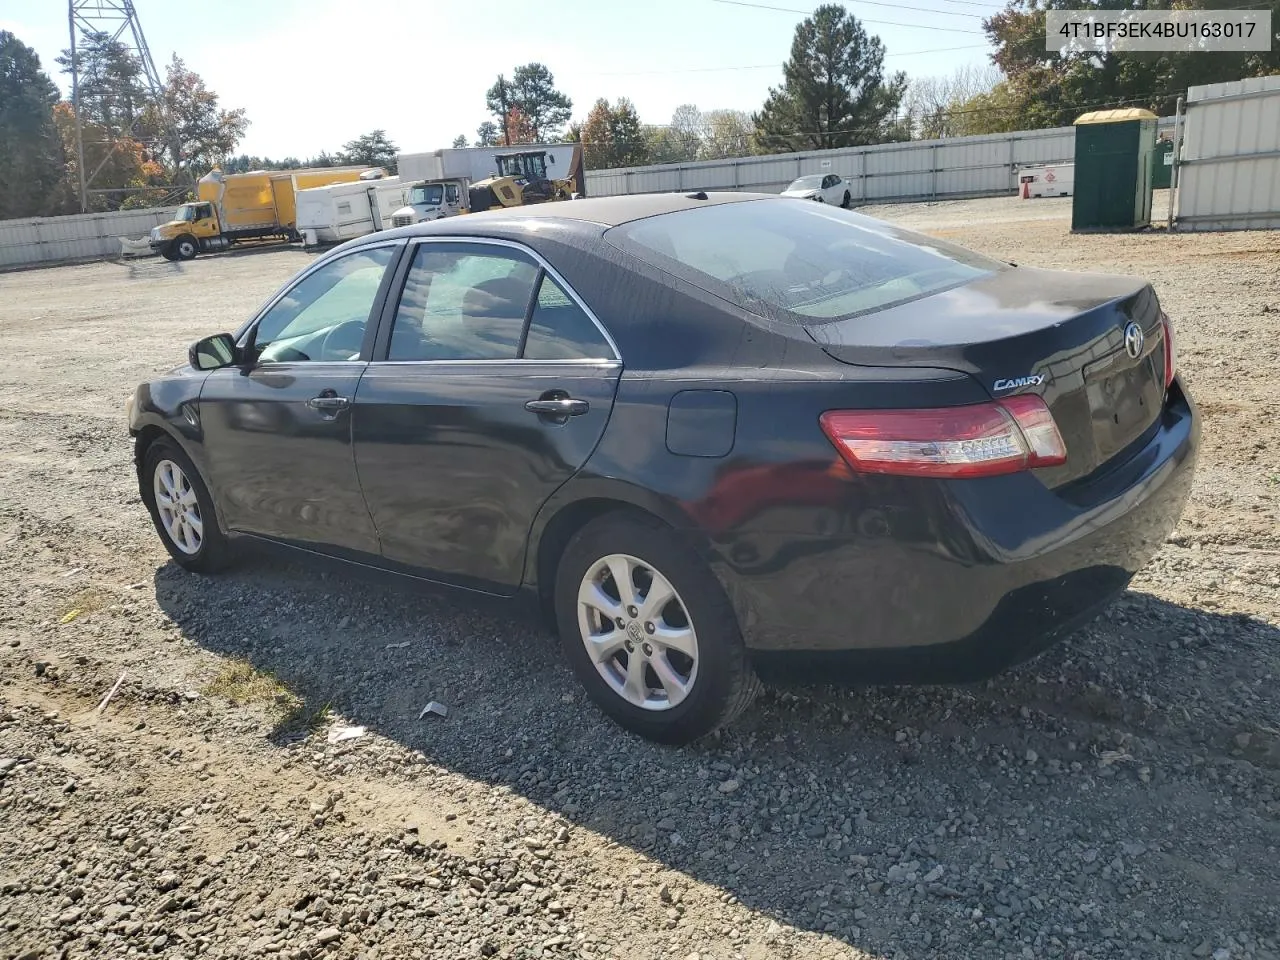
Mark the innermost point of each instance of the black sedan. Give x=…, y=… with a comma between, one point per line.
x=715, y=436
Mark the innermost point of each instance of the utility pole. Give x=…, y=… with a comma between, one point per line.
x=506, y=111
x=75, y=108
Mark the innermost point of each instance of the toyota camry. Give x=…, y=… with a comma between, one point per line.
x=714, y=436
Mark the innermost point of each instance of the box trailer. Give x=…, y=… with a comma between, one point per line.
x=341, y=211
x=231, y=207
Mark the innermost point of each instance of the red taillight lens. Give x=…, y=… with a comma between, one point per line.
x=1170, y=355
x=981, y=440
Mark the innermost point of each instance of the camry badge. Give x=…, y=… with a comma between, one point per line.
x=1032, y=381
x=1133, y=340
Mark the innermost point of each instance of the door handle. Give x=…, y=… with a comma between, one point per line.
x=560, y=407
x=328, y=403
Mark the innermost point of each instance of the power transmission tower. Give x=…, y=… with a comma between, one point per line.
x=118, y=20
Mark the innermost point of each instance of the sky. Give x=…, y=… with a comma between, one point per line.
x=313, y=74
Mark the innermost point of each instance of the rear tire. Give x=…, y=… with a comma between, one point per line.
x=182, y=509
x=848, y=200
x=666, y=695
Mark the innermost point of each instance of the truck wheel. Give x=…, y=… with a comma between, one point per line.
x=185, y=247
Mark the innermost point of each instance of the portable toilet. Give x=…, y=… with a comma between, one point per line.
x=1113, y=167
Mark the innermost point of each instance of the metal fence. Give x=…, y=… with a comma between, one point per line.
x=915, y=170
x=953, y=168
x=1229, y=168
x=77, y=237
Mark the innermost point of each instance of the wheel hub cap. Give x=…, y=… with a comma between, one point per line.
x=178, y=507
x=637, y=631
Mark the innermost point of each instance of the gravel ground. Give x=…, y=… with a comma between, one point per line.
x=1117, y=797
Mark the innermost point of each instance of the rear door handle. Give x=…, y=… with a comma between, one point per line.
x=561, y=407
x=328, y=403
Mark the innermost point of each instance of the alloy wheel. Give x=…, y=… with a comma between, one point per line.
x=637, y=632
x=178, y=507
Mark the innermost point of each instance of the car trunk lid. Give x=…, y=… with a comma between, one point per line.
x=1023, y=330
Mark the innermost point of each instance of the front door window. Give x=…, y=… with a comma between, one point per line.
x=325, y=316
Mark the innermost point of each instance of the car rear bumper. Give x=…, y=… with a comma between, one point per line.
x=954, y=581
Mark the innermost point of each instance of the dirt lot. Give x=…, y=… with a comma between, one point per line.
x=1118, y=797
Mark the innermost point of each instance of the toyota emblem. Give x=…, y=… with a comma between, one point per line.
x=1133, y=340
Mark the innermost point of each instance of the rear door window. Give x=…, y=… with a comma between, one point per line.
x=799, y=262
x=466, y=302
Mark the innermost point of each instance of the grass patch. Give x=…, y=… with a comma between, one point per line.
x=295, y=716
x=242, y=683
x=87, y=601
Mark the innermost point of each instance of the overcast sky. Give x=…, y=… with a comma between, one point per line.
x=313, y=74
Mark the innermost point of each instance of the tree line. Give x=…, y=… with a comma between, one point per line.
x=835, y=92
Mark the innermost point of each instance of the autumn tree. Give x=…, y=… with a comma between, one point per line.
x=197, y=131
x=678, y=141
x=938, y=106
x=1049, y=88
x=373, y=149
x=728, y=133
x=612, y=137
x=835, y=92
x=532, y=91
x=519, y=128
x=31, y=158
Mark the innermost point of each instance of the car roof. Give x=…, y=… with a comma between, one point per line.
x=607, y=211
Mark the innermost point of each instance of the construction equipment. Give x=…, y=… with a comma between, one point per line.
x=521, y=180
x=444, y=183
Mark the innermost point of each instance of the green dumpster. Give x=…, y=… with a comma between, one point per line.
x=1114, y=154
x=1162, y=165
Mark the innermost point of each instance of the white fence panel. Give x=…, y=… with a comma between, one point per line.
x=915, y=170
x=78, y=237
x=1229, y=168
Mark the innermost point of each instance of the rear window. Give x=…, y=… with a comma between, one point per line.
x=799, y=261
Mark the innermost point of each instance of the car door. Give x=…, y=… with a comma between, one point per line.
x=491, y=386
x=277, y=429
x=831, y=189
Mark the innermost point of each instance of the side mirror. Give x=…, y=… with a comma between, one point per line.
x=211, y=353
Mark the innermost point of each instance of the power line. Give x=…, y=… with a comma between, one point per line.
x=890, y=23
x=775, y=65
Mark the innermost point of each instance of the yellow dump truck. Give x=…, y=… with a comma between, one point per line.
x=241, y=206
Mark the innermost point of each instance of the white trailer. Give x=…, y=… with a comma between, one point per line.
x=477, y=163
x=341, y=211
x=1046, y=180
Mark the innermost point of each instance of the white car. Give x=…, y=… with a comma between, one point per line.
x=825, y=188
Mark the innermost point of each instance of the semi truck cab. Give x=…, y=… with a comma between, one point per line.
x=431, y=200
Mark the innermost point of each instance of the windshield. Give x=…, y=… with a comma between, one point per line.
x=807, y=183
x=186, y=212
x=429, y=195
x=799, y=262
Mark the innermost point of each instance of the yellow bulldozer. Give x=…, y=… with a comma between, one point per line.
x=522, y=179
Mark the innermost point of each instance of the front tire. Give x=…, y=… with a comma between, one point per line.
x=182, y=509
x=649, y=631
x=185, y=248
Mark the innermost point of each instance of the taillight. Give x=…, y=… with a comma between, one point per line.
x=1170, y=355
x=981, y=440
